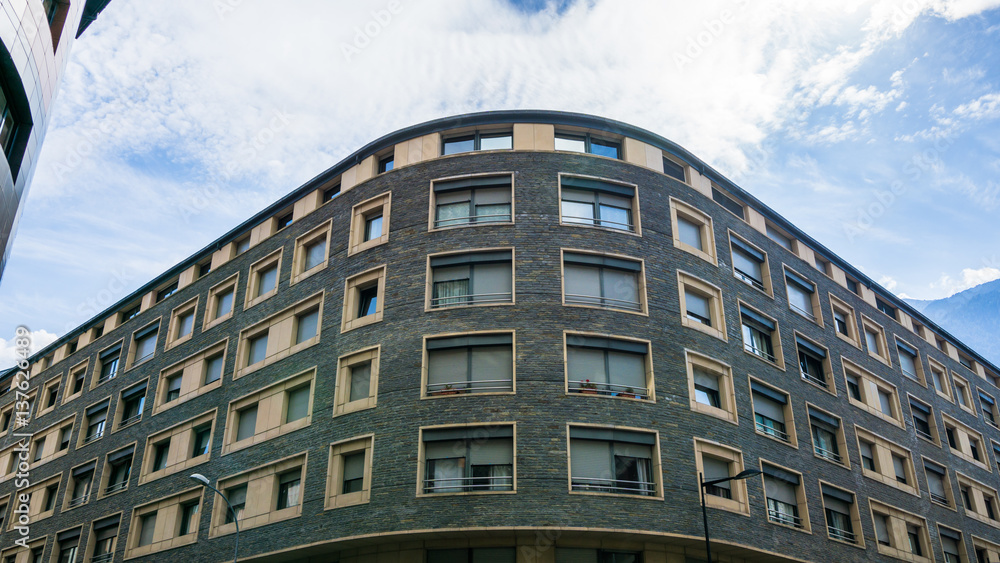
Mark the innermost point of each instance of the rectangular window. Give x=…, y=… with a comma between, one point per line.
x=117, y=471
x=938, y=484
x=952, y=545
x=181, y=327
x=610, y=367
x=692, y=230
x=262, y=281
x=286, y=332
x=357, y=381
x=386, y=163
x=130, y=313
x=143, y=344
x=872, y=393
x=828, y=436
x=616, y=461
x=131, y=404
x=76, y=380
x=701, y=305
x=471, y=278
x=844, y=321
x=104, y=538
x=473, y=363
x=370, y=223
x=786, y=500
x=306, y=325
x=674, y=169
x=67, y=544
x=204, y=269
x=729, y=203
x=988, y=406
x=939, y=379
x=875, y=340
x=107, y=365
x=802, y=296
x=750, y=264
x=772, y=413
x=80, y=484
x=364, y=299
x=473, y=459
x=289, y=489
x=598, y=203
x=962, y=393
x=813, y=362
x=270, y=412
x=585, y=143
x=900, y=534
x=710, y=385
x=50, y=395
x=760, y=336
x=719, y=462
x=166, y=292
x=350, y=473
x=263, y=495
x=478, y=141
x=94, y=420
x=193, y=376
x=220, y=302
x=886, y=308
x=311, y=252
x=924, y=424
x=965, y=442
x=778, y=236
x=980, y=500
x=909, y=361
x=177, y=448
x=474, y=200
x=241, y=246
x=603, y=281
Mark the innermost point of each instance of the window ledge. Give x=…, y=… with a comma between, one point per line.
x=310, y=272
x=880, y=359
x=791, y=444
x=780, y=366
x=692, y=250
x=835, y=464
x=890, y=481
x=159, y=408
x=172, y=343
x=711, y=331
x=469, y=306
x=715, y=412
x=457, y=393
x=261, y=298
x=468, y=225
x=615, y=495
x=171, y=469
x=634, y=233
x=471, y=493
x=368, y=244
x=345, y=500
x=877, y=413
x=849, y=340
x=354, y=406
x=650, y=400
x=804, y=530
x=267, y=435
x=217, y=321
x=641, y=313
x=729, y=505
x=363, y=321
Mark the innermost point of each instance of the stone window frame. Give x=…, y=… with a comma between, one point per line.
x=262, y=475
x=992, y=549
x=827, y=364
x=984, y=406
x=422, y=457
x=253, y=279
x=636, y=227
x=647, y=361
x=173, y=328
x=81, y=440
x=92, y=535
x=341, y=403
x=432, y=210
x=789, y=412
x=183, y=431
x=51, y=435
x=839, y=305
x=640, y=280
x=145, y=330
x=99, y=363
x=840, y=435
x=948, y=490
x=883, y=450
x=120, y=405
x=107, y=468
x=894, y=514
x=963, y=430
x=700, y=218
x=192, y=366
x=717, y=310
x=882, y=354
x=322, y=232
x=776, y=345
x=980, y=491
x=931, y=420
x=266, y=430
x=765, y=267
x=352, y=289
x=740, y=503
x=70, y=379
x=855, y=515
x=429, y=285
x=280, y=328
x=359, y=217
x=921, y=378
x=727, y=409
x=47, y=392
x=212, y=303
x=961, y=386
x=800, y=496
x=817, y=308
x=870, y=404
x=655, y=462
x=334, y=480
x=164, y=537
x=939, y=368
x=963, y=546
x=91, y=495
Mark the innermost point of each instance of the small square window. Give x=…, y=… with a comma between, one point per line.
x=701, y=305
x=350, y=473
x=785, y=497
x=282, y=221
x=585, y=143
x=143, y=344
x=692, y=230
x=779, y=236
x=842, y=517
x=728, y=202
x=357, y=381
x=263, y=279
x=241, y=246
x=845, y=322
x=220, y=302
x=772, y=413
x=760, y=336
x=386, y=163
x=710, y=385
x=166, y=292
x=674, y=169
x=181, y=327
x=204, y=269
x=364, y=299
x=331, y=192
x=875, y=340
x=719, y=462
x=802, y=297
x=828, y=437
x=370, y=223
x=311, y=252
x=814, y=364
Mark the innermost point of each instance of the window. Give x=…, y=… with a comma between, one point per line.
x=785, y=496
x=203, y=269
x=357, y=381
x=979, y=500
x=284, y=333
x=107, y=364
x=900, y=534
x=292, y=397
x=94, y=419
x=841, y=513
x=473, y=200
x=692, y=230
x=778, y=236
x=12, y=128
x=603, y=281
x=67, y=544
x=331, y=192
x=386, y=163
x=191, y=377
x=938, y=484
x=716, y=461
x=875, y=340
x=614, y=461
x=370, y=223
x=772, y=413
x=988, y=406
x=760, y=336
x=477, y=555
x=844, y=321
x=585, y=143
x=996, y=454
x=674, y=169
x=143, y=344
x=164, y=524
x=813, y=363
x=104, y=539
x=189, y=518
x=81, y=482
x=871, y=393
x=909, y=361
x=241, y=246
x=939, y=379
x=478, y=141
x=966, y=361
x=710, y=385
x=282, y=221
x=262, y=282
x=965, y=442
x=117, y=470
x=750, y=264
x=924, y=424
x=50, y=394
x=598, y=203
x=886, y=462
x=147, y=524
x=962, y=393
x=364, y=299
x=886, y=308
x=471, y=278
x=220, y=302
x=802, y=296
x=952, y=545
x=177, y=448
x=728, y=202
x=166, y=292
x=350, y=472
x=75, y=382
x=610, y=367
x=828, y=437
x=311, y=252
x=274, y=495
x=181, y=327
x=472, y=363
x=701, y=304
x=130, y=406
x=986, y=552
x=130, y=313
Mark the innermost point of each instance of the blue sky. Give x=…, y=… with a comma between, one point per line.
x=870, y=124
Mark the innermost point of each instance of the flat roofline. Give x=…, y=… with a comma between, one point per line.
x=568, y=119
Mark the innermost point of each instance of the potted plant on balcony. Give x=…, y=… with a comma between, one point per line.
x=588, y=388
x=448, y=390
x=630, y=393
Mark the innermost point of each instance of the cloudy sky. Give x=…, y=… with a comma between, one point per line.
x=870, y=124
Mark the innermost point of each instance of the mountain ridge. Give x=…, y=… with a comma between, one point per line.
x=973, y=316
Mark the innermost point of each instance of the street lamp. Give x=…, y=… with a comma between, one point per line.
x=202, y=480
x=704, y=512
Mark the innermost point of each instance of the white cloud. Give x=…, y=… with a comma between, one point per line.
x=984, y=107
x=9, y=351
x=887, y=282
x=969, y=278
